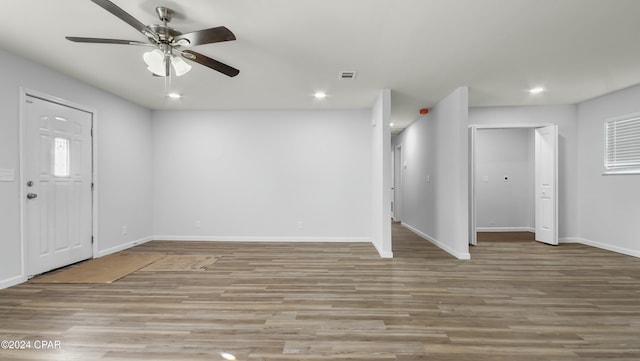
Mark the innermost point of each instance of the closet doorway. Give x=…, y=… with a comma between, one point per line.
x=513, y=180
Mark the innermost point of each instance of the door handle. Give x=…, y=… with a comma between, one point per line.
x=31, y=195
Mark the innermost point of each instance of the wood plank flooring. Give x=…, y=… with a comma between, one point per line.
x=514, y=300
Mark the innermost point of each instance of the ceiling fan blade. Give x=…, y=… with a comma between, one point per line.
x=206, y=36
x=105, y=41
x=126, y=17
x=211, y=63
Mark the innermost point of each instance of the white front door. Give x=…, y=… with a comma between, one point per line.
x=57, y=176
x=546, y=179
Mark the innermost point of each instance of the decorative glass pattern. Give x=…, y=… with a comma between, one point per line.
x=61, y=163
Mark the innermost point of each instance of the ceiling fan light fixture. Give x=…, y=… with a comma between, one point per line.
x=183, y=42
x=180, y=66
x=155, y=62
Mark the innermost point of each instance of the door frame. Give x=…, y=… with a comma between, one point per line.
x=473, y=240
x=24, y=92
x=393, y=184
x=397, y=185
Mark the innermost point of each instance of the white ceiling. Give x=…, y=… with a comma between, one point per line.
x=288, y=49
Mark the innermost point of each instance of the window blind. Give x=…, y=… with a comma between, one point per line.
x=622, y=144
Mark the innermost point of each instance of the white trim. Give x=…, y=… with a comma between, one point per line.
x=122, y=247
x=382, y=253
x=472, y=154
x=262, y=239
x=510, y=125
x=506, y=229
x=604, y=246
x=397, y=191
x=21, y=188
x=458, y=255
x=12, y=281
x=571, y=240
x=628, y=171
x=94, y=194
x=473, y=218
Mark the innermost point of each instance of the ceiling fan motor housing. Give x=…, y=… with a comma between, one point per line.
x=165, y=14
x=165, y=33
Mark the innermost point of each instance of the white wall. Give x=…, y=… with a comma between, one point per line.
x=505, y=205
x=566, y=117
x=124, y=159
x=435, y=180
x=254, y=175
x=381, y=174
x=608, y=206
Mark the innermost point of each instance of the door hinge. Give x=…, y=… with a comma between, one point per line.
x=92, y=186
x=92, y=132
x=92, y=239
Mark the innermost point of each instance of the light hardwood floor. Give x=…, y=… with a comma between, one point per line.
x=514, y=300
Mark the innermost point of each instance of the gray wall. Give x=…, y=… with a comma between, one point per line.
x=608, y=205
x=308, y=174
x=124, y=160
x=435, y=179
x=595, y=209
x=566, y=117
x=262, y=175
x=505, y=205
x=381, y=173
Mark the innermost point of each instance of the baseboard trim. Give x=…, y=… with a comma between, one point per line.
x=383, y=254
x=12, y=281
x=440, y=245
x=124, y=246
x=505, y=229
x=263, y=239
x=605, y=246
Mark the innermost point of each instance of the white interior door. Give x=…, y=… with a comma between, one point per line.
x=57, y=176
x=546, y=183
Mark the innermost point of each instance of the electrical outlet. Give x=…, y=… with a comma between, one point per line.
x=124, y=230
x=197, y=224
x=300, y=225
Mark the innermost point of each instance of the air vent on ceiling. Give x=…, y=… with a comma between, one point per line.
x=348, y=75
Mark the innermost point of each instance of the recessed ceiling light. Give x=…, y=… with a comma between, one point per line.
x=391, y=124
x=174, y=95
x=536, y=90
x=320, y=95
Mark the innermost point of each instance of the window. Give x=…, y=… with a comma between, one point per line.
x=61, y=157
x=622, y=145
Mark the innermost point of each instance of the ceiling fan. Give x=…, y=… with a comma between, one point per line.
x=168, y=43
